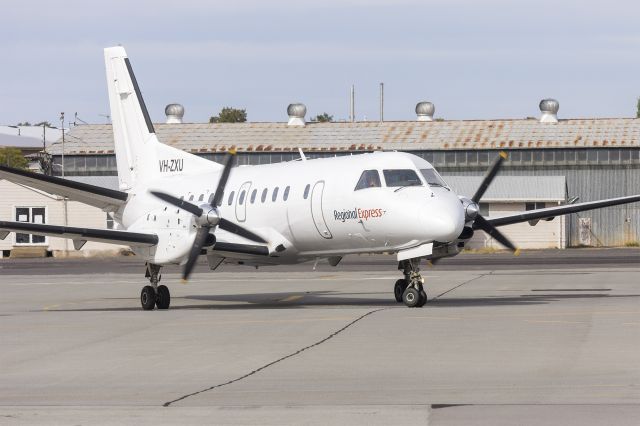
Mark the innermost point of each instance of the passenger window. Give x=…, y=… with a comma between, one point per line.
x=263, y=198
x=253, y=196
x=306, y=191
x=231, y=197
x=211, y=198
x=432, y=177
x=369, y=179
x=191, y=197
x=241, y=199
x=285, y=196
x=201, y=197
x=274, y=197
x=401, y=177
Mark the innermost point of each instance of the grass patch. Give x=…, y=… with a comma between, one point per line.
x=632, y=244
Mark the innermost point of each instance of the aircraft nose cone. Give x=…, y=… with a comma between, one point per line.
x=444, y=221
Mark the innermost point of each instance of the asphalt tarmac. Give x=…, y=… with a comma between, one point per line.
x=550, y=337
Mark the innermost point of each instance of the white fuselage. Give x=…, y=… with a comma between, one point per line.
x=322, y=216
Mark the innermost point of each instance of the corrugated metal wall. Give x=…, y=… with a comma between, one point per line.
x=612, y=226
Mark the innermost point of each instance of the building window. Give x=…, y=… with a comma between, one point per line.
x=30, y=215
x=110, y=222
x=534, y=205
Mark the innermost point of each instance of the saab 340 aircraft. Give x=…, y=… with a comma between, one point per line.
x=284, y=213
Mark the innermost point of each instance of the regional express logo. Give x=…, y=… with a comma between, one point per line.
x=356, y=213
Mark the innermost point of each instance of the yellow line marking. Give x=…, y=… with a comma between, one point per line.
x=291, y=298
x=48, y=307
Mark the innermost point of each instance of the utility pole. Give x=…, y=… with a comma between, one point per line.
x=352, y=108
x=62, y=127
x=381, y=102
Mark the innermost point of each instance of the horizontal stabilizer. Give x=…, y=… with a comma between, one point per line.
x=110, y=236
x=97, y=196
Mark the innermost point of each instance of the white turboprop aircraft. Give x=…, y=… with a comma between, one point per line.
x=172, y=206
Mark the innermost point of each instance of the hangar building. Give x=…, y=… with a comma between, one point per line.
x=551, y=161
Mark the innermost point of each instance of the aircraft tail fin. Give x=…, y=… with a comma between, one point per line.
x=139, y=154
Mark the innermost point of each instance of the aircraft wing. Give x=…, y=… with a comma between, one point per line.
x=551, y=212
x=80, y=235
x=97, y=196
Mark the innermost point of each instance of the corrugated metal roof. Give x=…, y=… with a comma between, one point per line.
x=512, y=188
x=365, y=136
x=20, y=141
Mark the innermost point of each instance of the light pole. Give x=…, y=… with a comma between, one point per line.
x=62, y=127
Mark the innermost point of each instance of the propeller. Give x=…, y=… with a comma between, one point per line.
x=208, y=217
x=480, y=222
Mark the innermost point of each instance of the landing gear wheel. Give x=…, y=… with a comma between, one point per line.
x=423, y=299
x=163, y=298
x=148, y=298
x=411, y=297
x=398, y=290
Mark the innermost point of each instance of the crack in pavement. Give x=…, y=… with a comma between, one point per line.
x=460, y=285
x=298, y=352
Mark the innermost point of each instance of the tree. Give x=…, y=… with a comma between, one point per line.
x=230, y=115
x=12, y=157
x=23, y=123
x=43, y=123
x=638, y=109
x=323, y=118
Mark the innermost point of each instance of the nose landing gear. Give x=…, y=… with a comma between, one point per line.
x=410, y=290
x=154, y=295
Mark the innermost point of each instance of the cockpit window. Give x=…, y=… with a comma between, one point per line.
x=433, y=178
x=401, y=177
x=369, y=179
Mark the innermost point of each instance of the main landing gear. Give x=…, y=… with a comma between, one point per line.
x=154, y=295
x=410, y=290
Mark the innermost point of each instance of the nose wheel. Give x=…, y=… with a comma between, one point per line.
x=410, y=290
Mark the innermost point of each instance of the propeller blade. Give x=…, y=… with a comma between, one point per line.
x=223, y=178
x=198, y=243
x=239, y=230
x=481, y=223
x=488, y=178
x=184, y=205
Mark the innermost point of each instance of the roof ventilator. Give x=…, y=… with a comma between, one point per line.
x=549, y=109
x=174, y=113
x=296, y=114
x=425, y=111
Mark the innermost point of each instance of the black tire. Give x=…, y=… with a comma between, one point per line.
x=398, y=290
x=148, y=298
x=163, y=299
x=423, y=299
x=411, y=297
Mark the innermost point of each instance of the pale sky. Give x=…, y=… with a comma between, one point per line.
x=473, y=59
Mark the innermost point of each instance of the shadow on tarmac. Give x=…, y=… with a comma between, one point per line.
x=337, y=299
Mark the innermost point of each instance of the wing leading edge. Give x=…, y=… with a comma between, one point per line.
x=80, y=235
x=551, y=212
x=97, y=196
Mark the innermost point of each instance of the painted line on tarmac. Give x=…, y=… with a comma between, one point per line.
x=291, y=298
x=293, y=354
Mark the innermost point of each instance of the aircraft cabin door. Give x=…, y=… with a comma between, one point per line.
x=242, y=201
x=316, y=210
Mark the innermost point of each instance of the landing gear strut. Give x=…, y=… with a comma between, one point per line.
x=154, y=295
x=410, y=290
